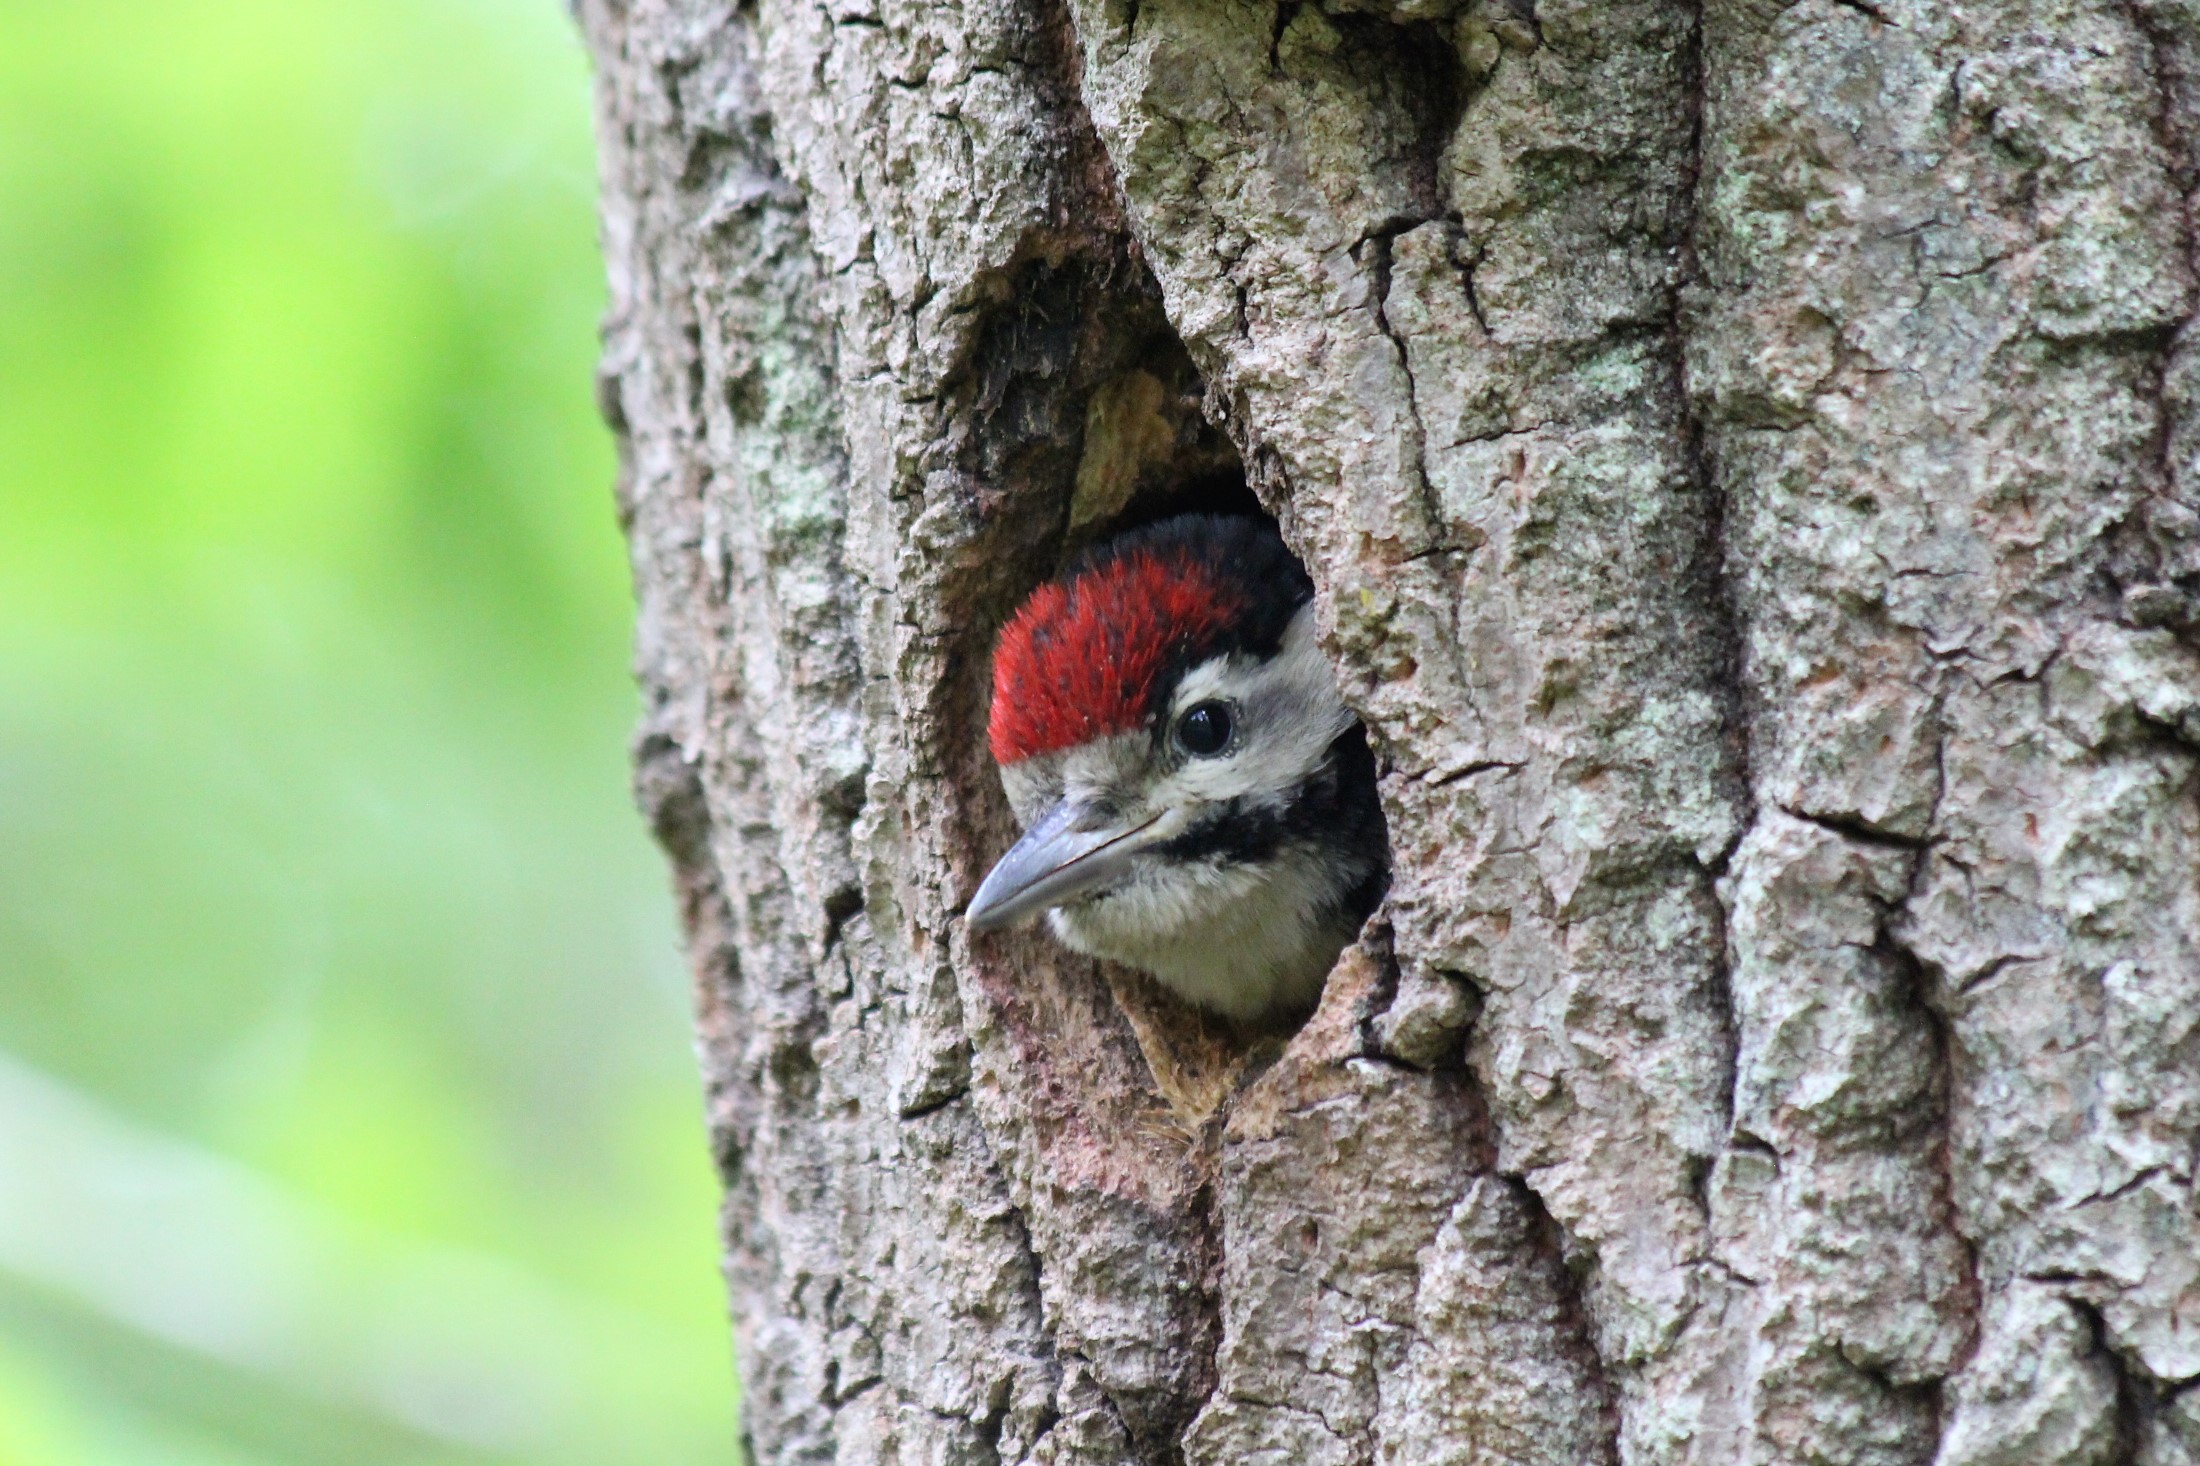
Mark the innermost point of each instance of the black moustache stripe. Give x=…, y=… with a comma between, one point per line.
x=1336, y=808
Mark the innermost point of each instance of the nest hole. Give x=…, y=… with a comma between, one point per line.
x=1084, y=417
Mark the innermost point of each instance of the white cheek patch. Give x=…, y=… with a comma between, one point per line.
x=1287, y=713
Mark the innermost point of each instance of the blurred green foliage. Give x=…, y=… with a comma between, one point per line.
x=346, y=1112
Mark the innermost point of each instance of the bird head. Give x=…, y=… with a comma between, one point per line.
x=1196, y=799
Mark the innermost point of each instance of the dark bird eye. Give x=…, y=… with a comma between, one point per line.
x=1204, y=729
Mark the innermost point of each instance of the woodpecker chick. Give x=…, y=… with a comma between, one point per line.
x=1196, y=799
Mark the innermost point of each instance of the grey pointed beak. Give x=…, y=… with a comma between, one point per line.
x=1056, y=861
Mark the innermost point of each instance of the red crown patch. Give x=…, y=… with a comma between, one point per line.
x=1078, y=660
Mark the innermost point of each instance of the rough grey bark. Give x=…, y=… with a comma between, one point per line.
x=1749, y=457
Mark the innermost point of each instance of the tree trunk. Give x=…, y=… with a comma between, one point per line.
x=1748, y=457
